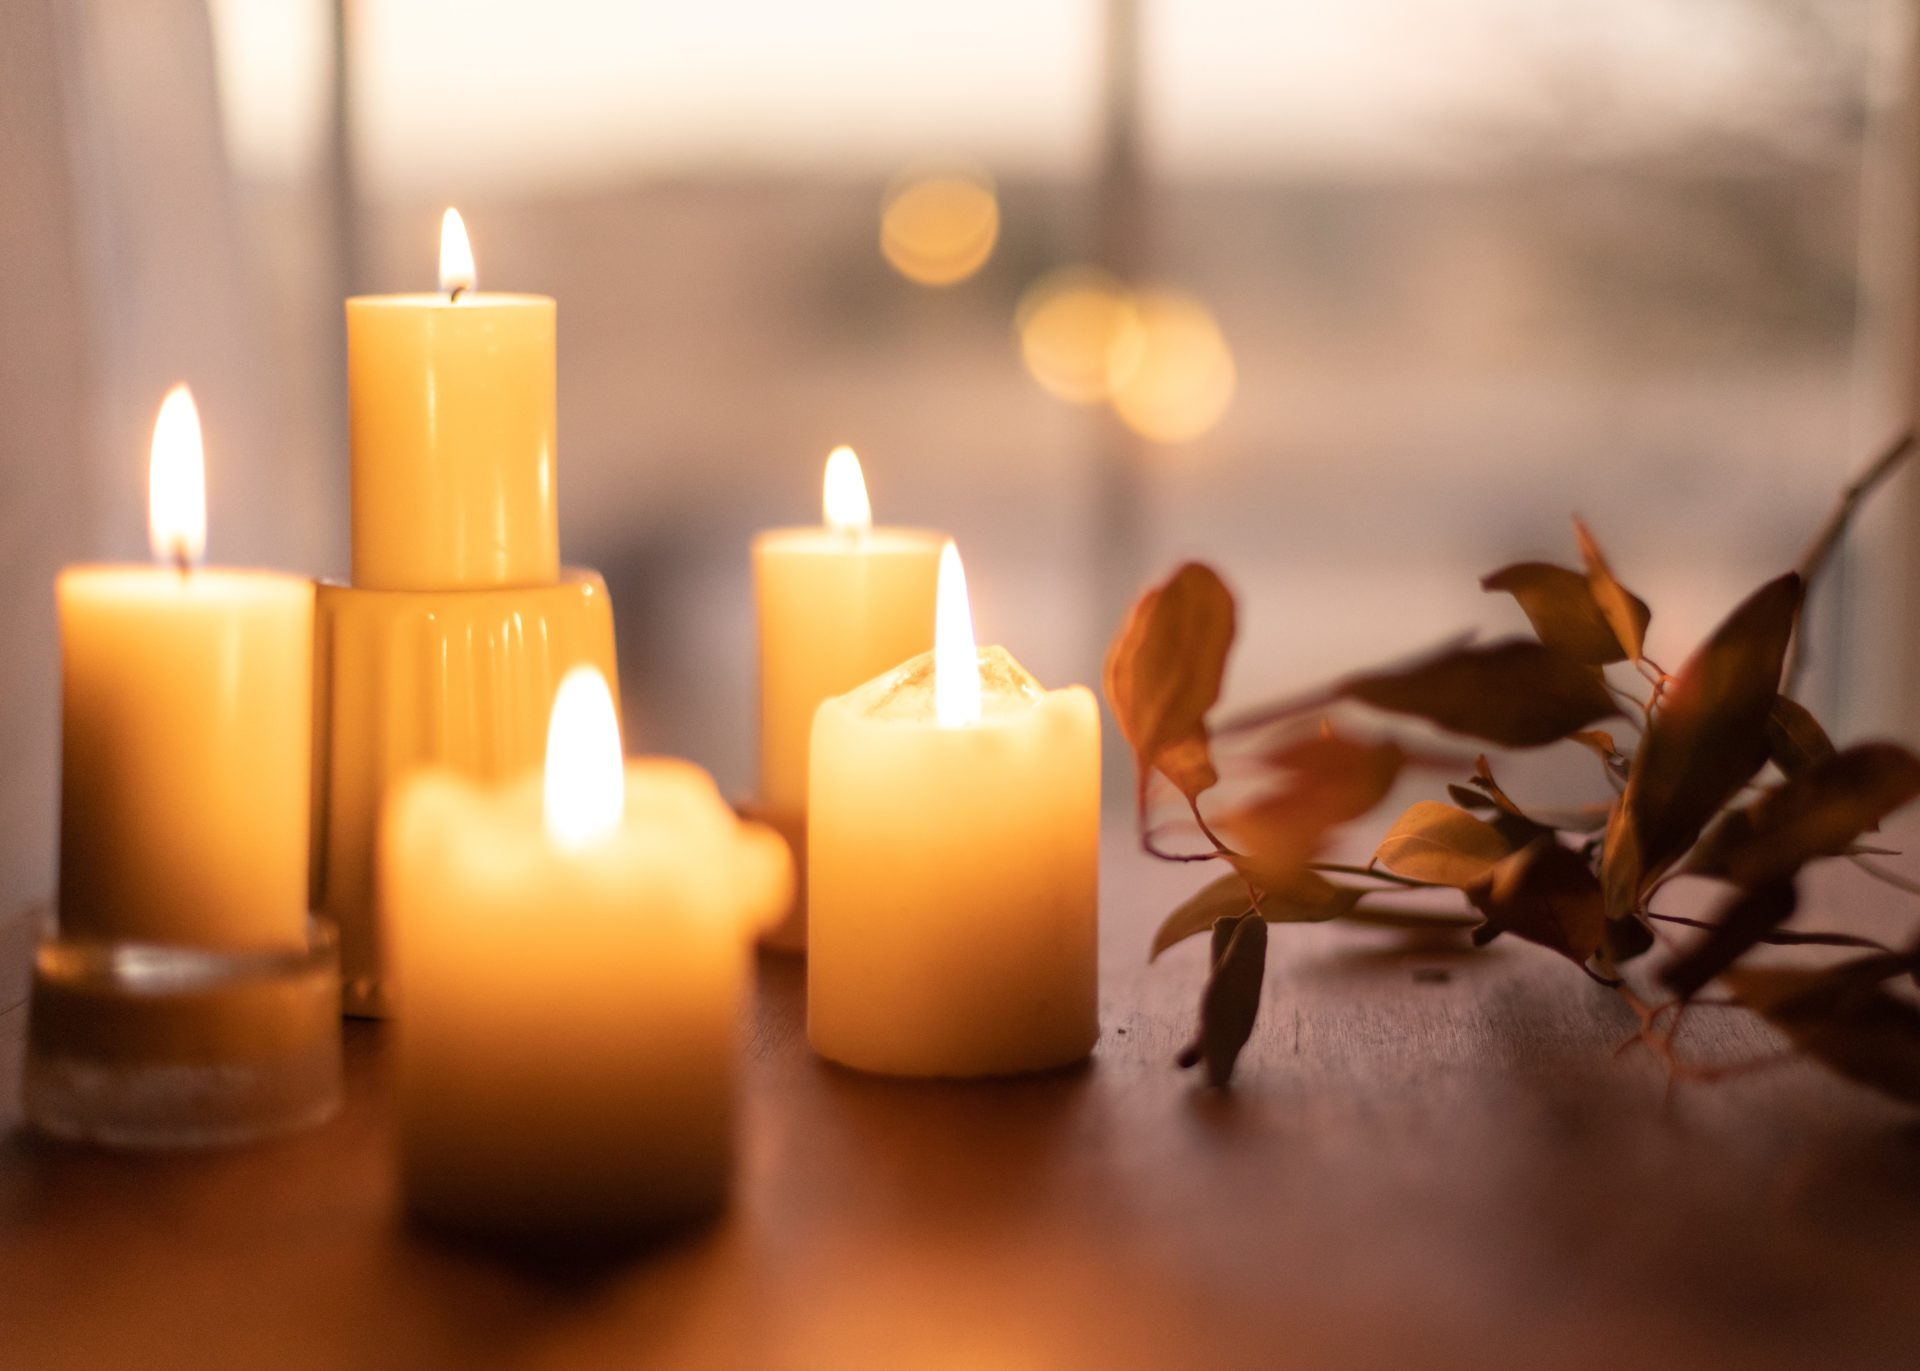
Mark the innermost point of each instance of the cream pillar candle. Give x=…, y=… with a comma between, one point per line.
x=837, y=604
x=953, y=865
x=450, y=404
x=186, y=733
x=569, y=957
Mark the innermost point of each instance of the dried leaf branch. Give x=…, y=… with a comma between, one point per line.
x=1728, y=780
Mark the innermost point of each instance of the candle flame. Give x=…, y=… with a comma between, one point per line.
x=456, y=255
x=844, y=494
x=177, y=482
x=586, y=790
x=956, y=661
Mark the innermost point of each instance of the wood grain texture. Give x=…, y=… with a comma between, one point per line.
x=1433, y=1158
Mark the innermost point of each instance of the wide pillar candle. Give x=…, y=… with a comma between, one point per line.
x=185, y=735
x=451, y=417
x=569, y=986
x=953, y=875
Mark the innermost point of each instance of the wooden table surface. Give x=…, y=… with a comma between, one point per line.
x=1433, y=1158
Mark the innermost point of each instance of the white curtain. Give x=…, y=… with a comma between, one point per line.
x=121, y=270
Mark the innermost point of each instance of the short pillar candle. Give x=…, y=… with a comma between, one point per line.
x=953, y=865
x=570, y=955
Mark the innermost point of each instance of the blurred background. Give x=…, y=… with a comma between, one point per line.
x=1357, y=302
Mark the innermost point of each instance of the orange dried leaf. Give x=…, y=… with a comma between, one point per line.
x=1163, y=675
x=1819, y=812
x=1709, y=736
x=1745, y=919
x=1230, y=1004
x=1307, y=899
x=1795, y=739
x=1547, y=895
x=1326, y=781
x=1843, y=1017
x=1560, y=605
x=1515, y=693
x=1626, y=613
x=1437, y=843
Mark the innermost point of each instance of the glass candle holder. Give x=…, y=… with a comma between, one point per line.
x=155, y=1046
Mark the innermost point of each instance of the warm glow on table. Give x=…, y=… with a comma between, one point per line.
x=186, y=732
x=451, y=417
x=570, y=957
x=953, y=865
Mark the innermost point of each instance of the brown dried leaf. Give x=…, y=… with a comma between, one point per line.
x=1795, y=740
x=1843, y=1017
x=1626, y=939
x=1560, y=605
x=1163, y=674
x=1231, y=1002
x=1308, y=899
x=1597, y=739
x=1328, y=781
x=1818, y=812
x=1626, y=613
x=1515, y=693
x=1620, y=865
x=1468, y=798
x=1708, y=737
x=1438, y=843
x=1546, y=894
x=1742, y=923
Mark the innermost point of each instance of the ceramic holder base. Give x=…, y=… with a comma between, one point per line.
x=140, y=1045
x=408, y=679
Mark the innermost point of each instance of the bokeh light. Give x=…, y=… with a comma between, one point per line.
x=939, y=229
x=1070, y=323
x=1171, y=377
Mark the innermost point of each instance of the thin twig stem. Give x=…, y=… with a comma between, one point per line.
x=1892, y=878
x=1825, y=543
x=1341, y=869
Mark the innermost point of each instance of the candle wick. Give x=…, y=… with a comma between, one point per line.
x=454, y=294
x=181, y=561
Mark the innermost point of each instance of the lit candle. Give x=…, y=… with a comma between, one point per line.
x=569, y=954
x=837, y=604
x=953, y=864
x=451, y=418
x=186, y=732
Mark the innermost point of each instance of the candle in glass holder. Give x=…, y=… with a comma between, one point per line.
x=186, y=732
x=838, y=604
x=569, y=956
x=953, y=865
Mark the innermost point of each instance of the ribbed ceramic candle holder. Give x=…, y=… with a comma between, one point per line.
x=406, y=679
x=148, y=1045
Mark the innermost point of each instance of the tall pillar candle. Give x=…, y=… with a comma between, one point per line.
x=461, y=621
x=185, y=733
x=570, y=955
x=451, y=416
x=953, y=865
x=838, y=604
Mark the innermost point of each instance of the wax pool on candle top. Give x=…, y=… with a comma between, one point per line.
x=569, y=978
x=953, y=871
x=186, y=734
x=451, y=419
